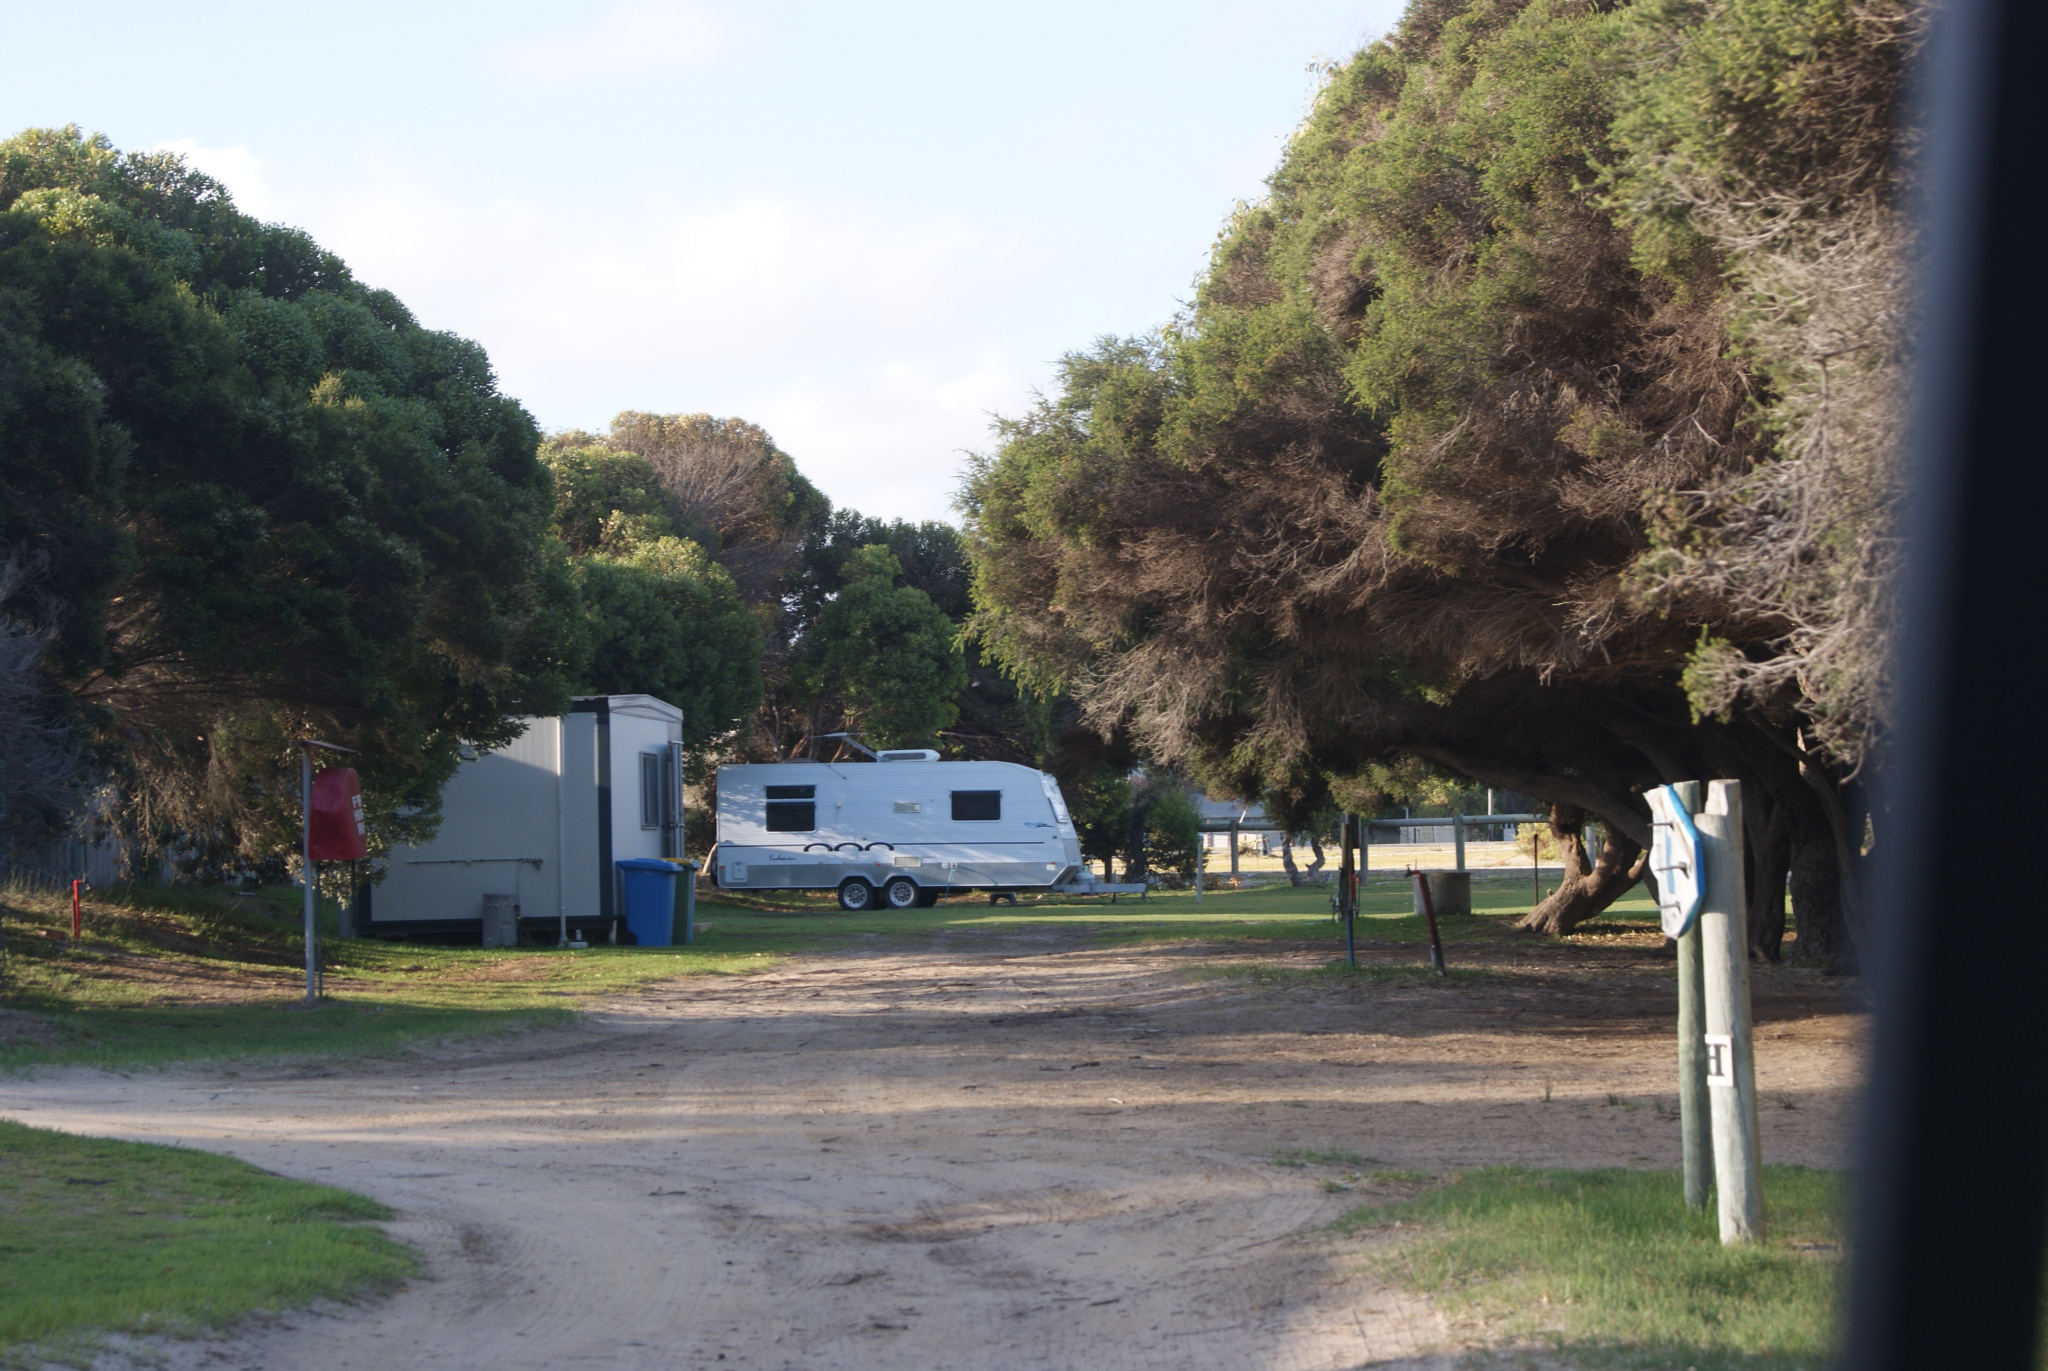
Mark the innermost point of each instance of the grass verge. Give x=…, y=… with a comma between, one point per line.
x=97, y=1235
x=1610, y=1269
x=182, y=974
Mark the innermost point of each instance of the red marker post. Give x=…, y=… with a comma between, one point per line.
x=332, y=809
x=77, y=917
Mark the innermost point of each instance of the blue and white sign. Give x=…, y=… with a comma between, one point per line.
x=1674, y=861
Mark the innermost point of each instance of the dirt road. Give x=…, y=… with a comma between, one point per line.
x=967, y=1154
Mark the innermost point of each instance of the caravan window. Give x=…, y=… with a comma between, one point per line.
x=650, y=790
x=792, y=808
x=977, y=804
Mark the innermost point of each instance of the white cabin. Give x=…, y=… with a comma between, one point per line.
x=901, y=831
x=544, y=819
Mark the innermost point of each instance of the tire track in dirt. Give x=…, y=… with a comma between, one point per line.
x=987, y=1154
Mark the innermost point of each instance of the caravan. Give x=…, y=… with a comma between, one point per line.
x=903, y=830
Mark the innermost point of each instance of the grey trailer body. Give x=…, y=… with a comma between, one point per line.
x=943, y=827
x=543, y=819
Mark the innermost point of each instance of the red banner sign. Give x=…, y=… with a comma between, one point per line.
x=338, y=829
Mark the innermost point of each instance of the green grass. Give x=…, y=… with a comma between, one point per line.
x=1277, y=912
x=126, y=998
x=127, y=1237
x=1298, y=1157
x=1609, y=1268
x=383, y=997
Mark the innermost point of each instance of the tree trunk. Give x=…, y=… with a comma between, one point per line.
x=1294, y=876
x=1316, y=846
x=1587, y=887
x=1817, y=895
x=1767, y=842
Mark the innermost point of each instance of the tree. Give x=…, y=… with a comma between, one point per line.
x=664, y=620
x=731, y=490
x=1100, y=803
x=1173, y=833
x=605, y=501
x=268, y=502
x=885, y=654
x=1435, y=466
x=41, y=771
x=930, y=554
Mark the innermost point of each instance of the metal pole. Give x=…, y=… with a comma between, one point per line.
x=689, y=902
x=1458, y=836
x=1233, y=849
x=1731, y=1065
x=561, y=834
x=1694, y=1110
x=306, y=869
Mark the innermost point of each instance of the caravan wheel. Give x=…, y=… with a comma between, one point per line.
x=901, y=893
x=856, y=894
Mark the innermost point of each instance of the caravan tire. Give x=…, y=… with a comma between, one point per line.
x=901, y=893
x=856, y=894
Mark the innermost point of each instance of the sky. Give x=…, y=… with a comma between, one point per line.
x=867, y=228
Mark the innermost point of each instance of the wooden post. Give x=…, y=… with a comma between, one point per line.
x=1458, y=837
x=1694, y=1109
x=1201, y=861
x=1233, y=849
x=1347, y=888
x=1731, y=1063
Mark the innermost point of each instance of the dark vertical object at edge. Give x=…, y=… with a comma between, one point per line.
x=1954, y=1165
x=1347, y=888
x=601, y=706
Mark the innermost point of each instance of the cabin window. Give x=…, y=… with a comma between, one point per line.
x=909, y=807
x=650, y=790
x=792, y=808
x=978, y=804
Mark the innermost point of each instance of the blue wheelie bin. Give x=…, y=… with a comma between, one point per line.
x=650, y=887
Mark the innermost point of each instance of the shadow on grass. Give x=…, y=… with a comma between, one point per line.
x=117, y=1036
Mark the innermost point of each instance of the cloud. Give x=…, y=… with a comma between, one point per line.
x=236, y=168
x=870, y=343
x=624, y=40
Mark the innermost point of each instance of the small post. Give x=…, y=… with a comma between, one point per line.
x=689, y=902
x=1535, y=872
x=1436, y=946
x=1347, y=888
x=1731, y=1062
x=1233, y=847
x=1694, y=1109
x=1201, y=861
x=77, y=914
x=306, y=870
x=1458, y=836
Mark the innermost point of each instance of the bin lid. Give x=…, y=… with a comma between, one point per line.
x=645, y=864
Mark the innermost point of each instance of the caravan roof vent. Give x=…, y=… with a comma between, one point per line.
x=907, y=754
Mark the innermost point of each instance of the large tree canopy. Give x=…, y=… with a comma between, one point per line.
x=1462, y=447
x=258, y=500
x=883, y=654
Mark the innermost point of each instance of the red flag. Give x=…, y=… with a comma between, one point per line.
x=338, y=829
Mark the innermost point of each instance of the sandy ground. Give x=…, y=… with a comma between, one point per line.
x=966, y=1154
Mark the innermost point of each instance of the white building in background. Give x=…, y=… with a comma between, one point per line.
x=543, y=819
